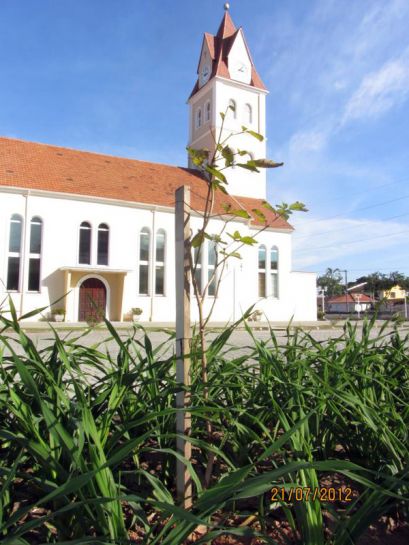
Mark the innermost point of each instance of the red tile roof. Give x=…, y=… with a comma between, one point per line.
x=352, y=298
x=219, y=48
x=35, y=166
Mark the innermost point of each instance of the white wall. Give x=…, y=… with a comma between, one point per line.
x=62, y=217
x=220, y=92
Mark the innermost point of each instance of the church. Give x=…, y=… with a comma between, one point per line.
x=94, y=234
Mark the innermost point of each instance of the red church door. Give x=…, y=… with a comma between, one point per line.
x=93, y=298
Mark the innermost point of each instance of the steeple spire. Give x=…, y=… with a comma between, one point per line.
x=226, y=28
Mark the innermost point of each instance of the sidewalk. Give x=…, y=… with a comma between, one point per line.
x=73, y=326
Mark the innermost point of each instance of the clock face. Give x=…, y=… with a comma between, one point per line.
x=205, y=73
x=241, y=68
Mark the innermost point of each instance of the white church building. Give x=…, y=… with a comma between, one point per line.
x=79, y=227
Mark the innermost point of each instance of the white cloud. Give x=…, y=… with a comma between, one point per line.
x=319, y=241
x=380, y=91
x=313, y=140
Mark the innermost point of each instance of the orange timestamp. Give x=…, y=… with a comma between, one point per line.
x=305, y=493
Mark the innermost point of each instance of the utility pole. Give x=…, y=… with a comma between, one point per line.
x=346, y=288
x=183, y=342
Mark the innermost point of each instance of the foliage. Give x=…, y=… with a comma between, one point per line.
x=58, y=311
x=378, y=282
x=136, y=310
x=87, y=436
x=331, y=282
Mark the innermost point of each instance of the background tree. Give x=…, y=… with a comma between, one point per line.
x=332, y=282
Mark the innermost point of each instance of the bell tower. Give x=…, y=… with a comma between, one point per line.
x=226, y=76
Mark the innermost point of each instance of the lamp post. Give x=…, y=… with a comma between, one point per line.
x=406, y=304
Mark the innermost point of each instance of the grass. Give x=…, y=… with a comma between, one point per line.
x=87, y=440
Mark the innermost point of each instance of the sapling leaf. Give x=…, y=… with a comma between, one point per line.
x=248, y=241
x=259, y=214
x=240, y=213
x=228, y=155
x=256, y=135
x=267, y=163
x=268, y=206
x=250, y=165
x=216, y=173
x=198, y=239
x=298, y=206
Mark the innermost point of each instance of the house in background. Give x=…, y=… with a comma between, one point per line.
x=394, y=294
x=80, y=227
x=350, y=302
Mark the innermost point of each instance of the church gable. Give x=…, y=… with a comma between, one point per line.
x=238, y=59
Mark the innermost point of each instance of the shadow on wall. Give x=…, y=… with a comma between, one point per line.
x=55, y=286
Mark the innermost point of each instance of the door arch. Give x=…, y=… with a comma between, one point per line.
x=92, y=303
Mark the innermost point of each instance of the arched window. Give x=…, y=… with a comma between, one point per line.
x=14, y=254
x=211, y=267
x=199, y=118
x=232, y=108
x=160, y=262
x=84, y=253
x=274, y=271
x=36, y=227
x=144, y=254
x=248, y=114
x=262, y=271
x=103, y=244
x=208, y=111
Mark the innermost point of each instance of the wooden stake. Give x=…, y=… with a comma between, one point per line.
x=183, y=340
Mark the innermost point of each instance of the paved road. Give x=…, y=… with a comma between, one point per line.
x=239, y=339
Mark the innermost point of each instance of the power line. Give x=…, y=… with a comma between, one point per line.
x=363, y=192
x=348, y=228
x=353, y=241
x=359, y=209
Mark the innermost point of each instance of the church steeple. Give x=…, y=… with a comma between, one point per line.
x=226, y=28
x=227, y=76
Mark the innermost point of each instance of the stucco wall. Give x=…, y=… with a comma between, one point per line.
x=61, y=219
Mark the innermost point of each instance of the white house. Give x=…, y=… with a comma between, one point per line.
x=76, y=226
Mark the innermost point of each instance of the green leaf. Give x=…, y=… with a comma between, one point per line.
x=240, y=213
x=250, y=165
x=228, y=155
x=256, y=135
x=216, y=173
x=249, y=241
x=259, y=214
x=298, y=206
x=198, y=239
x=267, y=163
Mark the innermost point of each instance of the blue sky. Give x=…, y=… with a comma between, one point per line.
x=113, y=77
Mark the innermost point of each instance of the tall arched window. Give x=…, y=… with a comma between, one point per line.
x=199, y=118
x=103, y=244
x=208, y=111
x=144, y=254
x=274, y=271
x=84, y=253
x=262, y=271
x=211, y=266
x=36, y=227
x=14, y=254
x=197, y=265
x=248, y=114
x=232, y=107
x=160, y=262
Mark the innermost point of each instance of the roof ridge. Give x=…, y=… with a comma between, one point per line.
x=99, y=154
